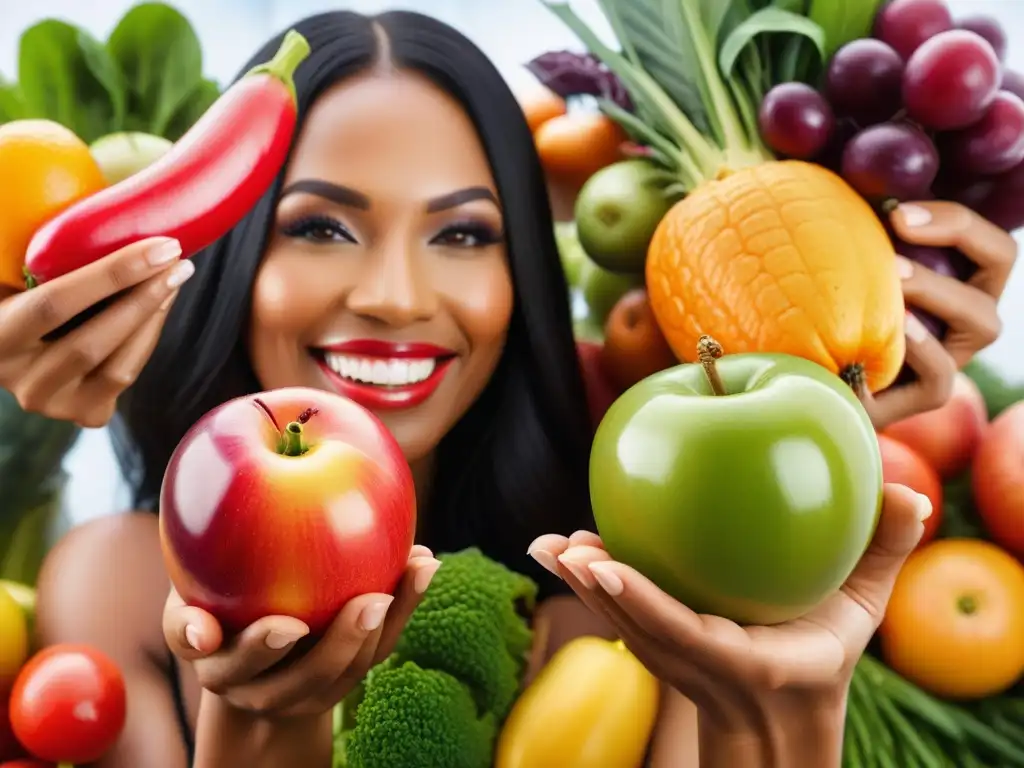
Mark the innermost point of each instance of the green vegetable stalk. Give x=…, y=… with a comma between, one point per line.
x=441, y=697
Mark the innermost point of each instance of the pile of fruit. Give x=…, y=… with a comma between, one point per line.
x=749, y=202
x=63, y=705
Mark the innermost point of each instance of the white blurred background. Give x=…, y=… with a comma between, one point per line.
x=511, y=32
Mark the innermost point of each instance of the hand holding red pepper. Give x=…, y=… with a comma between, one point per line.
x=755, y=685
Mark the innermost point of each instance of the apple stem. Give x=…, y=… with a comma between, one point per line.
x=709, y=350
x=856, y=379
x=292, y=444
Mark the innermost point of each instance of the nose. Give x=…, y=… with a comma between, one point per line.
x=393, y=287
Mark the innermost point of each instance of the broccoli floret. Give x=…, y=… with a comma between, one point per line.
x=440, y=698
x=465, y=619
x=410, y=717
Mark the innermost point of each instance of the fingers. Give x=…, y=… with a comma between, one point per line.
x=410, y=592
x=123, y=367
x=87, y=347
x=946, y=224
x=971, y=314
x=37, y=312
x=190, y=632
x=936, y=371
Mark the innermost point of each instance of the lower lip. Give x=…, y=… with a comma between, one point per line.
x=377, y=398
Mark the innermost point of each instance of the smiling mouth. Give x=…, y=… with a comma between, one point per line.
x=380, y=372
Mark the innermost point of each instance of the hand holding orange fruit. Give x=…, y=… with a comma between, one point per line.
x=44, y=168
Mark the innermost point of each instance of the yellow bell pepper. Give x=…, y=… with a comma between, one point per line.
x=592, y=706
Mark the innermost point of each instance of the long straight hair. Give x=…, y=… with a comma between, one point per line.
x=516, y=465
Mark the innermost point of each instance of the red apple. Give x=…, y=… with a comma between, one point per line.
x=903, y=465
x=947, y=437
x=634, y=346
x=289, y=502
x=997, y=476
x=601, y=393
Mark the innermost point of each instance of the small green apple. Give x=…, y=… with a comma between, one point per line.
x=602, y=289
x=755, y=504
x=120, y=155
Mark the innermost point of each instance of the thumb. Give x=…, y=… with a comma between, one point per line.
x=190, y=633
x=899, y=531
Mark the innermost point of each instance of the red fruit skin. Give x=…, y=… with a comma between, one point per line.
x=601, y=392
x=903, y=465
x=997, y=475
x=10, y=747
x=69, y=704
x=994, y=144
x=27, y=762
x=248, y=532
x=947, y=437
x=196, y=193
x=906, y=24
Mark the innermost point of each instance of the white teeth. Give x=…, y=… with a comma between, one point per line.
x=382, y=373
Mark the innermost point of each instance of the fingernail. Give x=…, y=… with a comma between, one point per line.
x=577, y=569
x=164, y=253
x=167, y=302
x=545, y=559
x=915, y=215
x=373, y=615
x=923, y=507
x=192, y=636
x=278, y=641
x=607, y=578
x=424, y=574
x=914, y=328
x=904, y=268
x=180, y=274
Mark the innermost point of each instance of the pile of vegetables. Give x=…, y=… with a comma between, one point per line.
x=443, y=694
x=767, y=141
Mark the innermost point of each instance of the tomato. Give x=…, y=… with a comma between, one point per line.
x=578, y=144
x=634, y=347
x=14, y=640
x=998, y=479
x=903, y=465
x=955, y=622
x=68, y=704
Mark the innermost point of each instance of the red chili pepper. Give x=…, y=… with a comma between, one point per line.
x=199, y=190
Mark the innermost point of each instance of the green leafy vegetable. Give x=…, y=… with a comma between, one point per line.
x=843, y=20
x=159, y=53
x=769, y=21
x=200, y=100
x=12, y=103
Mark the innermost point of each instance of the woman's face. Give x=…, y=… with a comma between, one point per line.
x=386, y=277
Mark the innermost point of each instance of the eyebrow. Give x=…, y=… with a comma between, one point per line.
x=352, y=198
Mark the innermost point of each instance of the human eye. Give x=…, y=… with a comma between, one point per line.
x=318, y=229
x=467, y=234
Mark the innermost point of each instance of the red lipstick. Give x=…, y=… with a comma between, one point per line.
x=379, y=397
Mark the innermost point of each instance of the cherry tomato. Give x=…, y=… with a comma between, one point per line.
x=68, y=704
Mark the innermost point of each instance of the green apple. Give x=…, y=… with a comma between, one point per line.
x=120, y=155
x=602, y=289
x=754, y=505
x=570, y=251
x=618, y=210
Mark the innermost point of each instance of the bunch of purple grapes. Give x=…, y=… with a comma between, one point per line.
x=924, y=109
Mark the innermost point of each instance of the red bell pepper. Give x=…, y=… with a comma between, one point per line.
x=199, y=190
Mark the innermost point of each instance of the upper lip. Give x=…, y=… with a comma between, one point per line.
x=393, y=349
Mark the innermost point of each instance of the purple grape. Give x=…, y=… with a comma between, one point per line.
x=906, y=24
x=1013, y=82
x=891, y=161
x=992, y=145
x=988, y=28
x=950, y=81
x=1000, y=199
x=865, y=81
x=795, y=121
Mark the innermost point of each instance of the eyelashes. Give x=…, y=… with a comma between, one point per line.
x=325, y=229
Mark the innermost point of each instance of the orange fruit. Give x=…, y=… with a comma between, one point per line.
x=781, y=257
x=955, y=622
x=578, y=144
x=541, y=104
x=45, y=168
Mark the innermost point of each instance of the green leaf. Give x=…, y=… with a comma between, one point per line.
x=200, y=100
x=159, y=54
x=842, y=21
x=57, y=83
x=103, y=67
x=12, y=103
x=767, y=21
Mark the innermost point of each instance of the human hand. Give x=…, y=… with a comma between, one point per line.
x=247, y=671
x=80, y=376
x=967, y=308
x=744, y=676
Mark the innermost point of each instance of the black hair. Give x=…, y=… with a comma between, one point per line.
x=516, y=465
